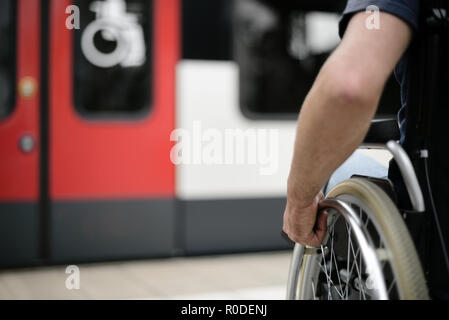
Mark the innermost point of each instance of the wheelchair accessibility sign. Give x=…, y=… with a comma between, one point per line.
x=114, y=23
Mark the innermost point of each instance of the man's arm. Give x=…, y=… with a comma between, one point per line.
x=336, y=116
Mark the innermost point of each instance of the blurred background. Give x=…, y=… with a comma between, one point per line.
x=86, y=114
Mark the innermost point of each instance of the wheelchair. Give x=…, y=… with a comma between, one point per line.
x=378, y=243
x=368, y=252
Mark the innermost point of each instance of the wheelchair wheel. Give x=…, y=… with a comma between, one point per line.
x=367, y=254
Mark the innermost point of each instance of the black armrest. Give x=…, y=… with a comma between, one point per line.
x=382, y=131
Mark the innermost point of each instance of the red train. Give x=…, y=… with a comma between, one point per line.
x=85, y=145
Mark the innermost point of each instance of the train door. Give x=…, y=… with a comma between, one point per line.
x=111, y=111
x=19, y=131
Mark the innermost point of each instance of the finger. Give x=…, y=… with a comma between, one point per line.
x=322, y=221
x=320, y=196
x=321, y=225
x=285, y=221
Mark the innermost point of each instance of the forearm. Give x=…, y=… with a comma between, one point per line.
x=337, y=112
x=331, y=125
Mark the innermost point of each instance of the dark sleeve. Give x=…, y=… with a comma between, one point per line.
x=408, y=10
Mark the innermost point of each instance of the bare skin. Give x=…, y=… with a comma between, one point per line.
x=336, y=116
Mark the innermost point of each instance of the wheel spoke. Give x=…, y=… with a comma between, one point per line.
x=356, y=267
x=362, y=284
x=332, y=256
x=351, y=248
x=335, y=260
x=327, y=275
x=313, y=290
x=347, y=261
x=391, y=285
x=330, y=282
x=354, y=262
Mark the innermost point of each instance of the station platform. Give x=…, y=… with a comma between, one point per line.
x=254, y=276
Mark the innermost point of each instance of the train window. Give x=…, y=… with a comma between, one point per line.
x=280, y=47
x=206, y=29
x=113, y=57
x=7, y=56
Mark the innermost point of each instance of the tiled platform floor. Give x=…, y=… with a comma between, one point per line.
x=240, y=276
